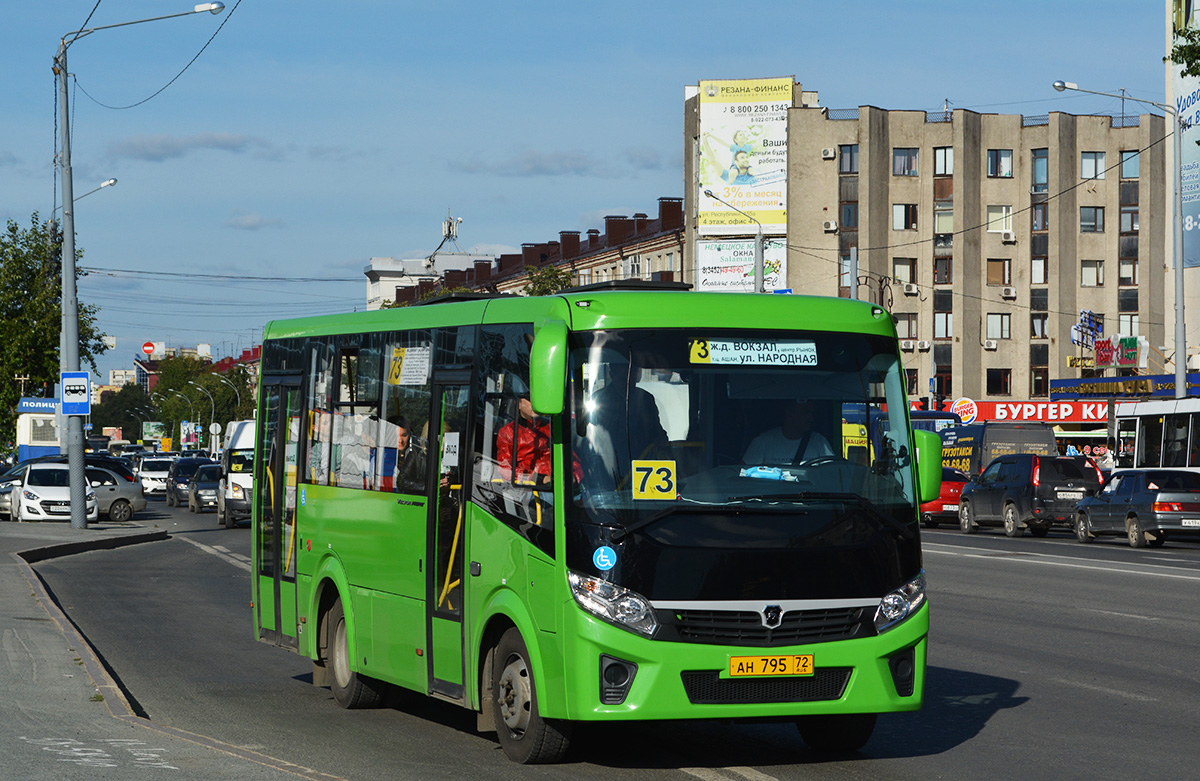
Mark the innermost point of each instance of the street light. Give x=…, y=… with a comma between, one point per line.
x=235, y=390
x=191, y=415
x=1177, y=140
x=69, y=350
x=212, y=409
x=105, y=183
x=759, y=282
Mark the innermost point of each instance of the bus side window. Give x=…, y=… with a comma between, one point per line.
x=320, y=403
x=404, y=415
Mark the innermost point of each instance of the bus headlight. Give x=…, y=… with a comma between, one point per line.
x=627, y=609
x=898, y=605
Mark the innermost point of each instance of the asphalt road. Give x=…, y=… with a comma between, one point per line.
x=1048, y=660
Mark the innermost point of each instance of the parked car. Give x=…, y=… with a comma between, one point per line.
x=202, y=488
x=178, y=478
x=944, y=509
x=1146, y=505
x=153, y=474
x=43, y=493
x=116, y=498
x=1022, y=491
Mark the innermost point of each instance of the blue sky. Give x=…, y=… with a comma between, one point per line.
x=309, y=137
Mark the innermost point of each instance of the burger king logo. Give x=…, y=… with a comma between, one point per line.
x=966, y=409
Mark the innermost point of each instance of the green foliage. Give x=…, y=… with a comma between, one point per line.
x=547, y=280
x=31, y=316
x=126, y=409
x=1186, y=51
x=176, y=399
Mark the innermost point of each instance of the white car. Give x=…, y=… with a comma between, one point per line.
x=153, y=474
x=44, y=494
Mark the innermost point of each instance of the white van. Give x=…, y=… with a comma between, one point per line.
x=236, y=488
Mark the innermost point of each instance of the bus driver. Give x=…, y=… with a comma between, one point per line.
x=791, y=443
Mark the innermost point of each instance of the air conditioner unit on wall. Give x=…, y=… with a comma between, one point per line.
x=828, y=153
x=910, y=289
x=990, y=344
x=924, y=345
x=829, y=225
x=908, y=345
x=1008, y=237
x=1009, y=293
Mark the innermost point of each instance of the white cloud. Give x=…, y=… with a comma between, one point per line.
x=253, y=222
x=165, y=147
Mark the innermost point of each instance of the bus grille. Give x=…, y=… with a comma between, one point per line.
x=737, y=627
x=706, y=687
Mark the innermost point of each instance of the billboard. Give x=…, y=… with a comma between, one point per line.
x=728, y=266
x=1186, y=92
x=743, y=155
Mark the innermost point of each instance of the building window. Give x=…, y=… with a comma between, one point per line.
x=635, y=267
x=848, y=157
x=1091, y=219
x=1129, y=219
x=1128, y=325
x=999, y=163
x=1039, y=370
x=943, y=314
x=1127, y=272
x=943, y=216
x=906, y=325
x=1038, y=214
x=904, y=269
x=1038, y=323
x=1091, y=273
x=1129, y=164
x=999, y=271
x=849, y=216
x=999, y=382
x=1037, y=272
x=911, y=376
x=585, y=276
x=1127, y=301
x=999, y=325
x=943, y=161
x=1091, y=165
x=1040, y=174
x=999, y=218
x=904, y=216
x=943, y=273
x=904, y=161
x=845, y=269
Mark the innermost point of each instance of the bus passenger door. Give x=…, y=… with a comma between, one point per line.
x=447, y=524
x=275, y=478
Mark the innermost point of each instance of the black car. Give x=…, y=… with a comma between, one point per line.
x=178, y=478
x=1024, y=491
x=202, y=488
x=1146, y=505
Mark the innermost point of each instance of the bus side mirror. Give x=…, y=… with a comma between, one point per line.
x=548, y=368
x=929, y=464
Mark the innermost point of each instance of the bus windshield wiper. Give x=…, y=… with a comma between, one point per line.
x=861, y=502
x=623, y=532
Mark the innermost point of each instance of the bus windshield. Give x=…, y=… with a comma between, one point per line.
x=737, y=438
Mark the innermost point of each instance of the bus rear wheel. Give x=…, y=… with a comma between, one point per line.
x=837, y=733
x=524, y=735
x=350, y=690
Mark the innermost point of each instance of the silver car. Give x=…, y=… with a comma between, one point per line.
x=116, y=498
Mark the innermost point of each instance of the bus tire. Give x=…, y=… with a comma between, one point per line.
x=524, y=735
x=836, y=733
x=350, y=690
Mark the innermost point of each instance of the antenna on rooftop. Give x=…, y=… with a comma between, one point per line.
x=449, y=234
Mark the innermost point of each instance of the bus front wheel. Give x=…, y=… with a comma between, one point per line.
x=524, y=735
x=838, y=733
x=350, y=690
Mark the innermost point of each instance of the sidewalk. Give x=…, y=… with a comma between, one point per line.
x=62, y=716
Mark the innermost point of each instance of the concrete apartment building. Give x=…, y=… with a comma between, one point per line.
x=984, y=234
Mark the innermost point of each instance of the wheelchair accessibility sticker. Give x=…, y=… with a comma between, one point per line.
x=605, y=558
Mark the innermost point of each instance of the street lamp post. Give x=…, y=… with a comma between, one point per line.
x=69, y=356
x=191, y=415
x=759, y=282
x=212, y=408
x=235, y=390
x=1177, y=146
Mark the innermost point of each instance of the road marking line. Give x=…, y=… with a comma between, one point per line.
x=1106, y=690
x=1119, y=615
x=751, y=773
x=214, y=551
x=1044, y=558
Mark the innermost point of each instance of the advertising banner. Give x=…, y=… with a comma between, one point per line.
x=728, y=266
x=743, y=155
x=1186, y=91
x=1123, y=352
x=1091, y=412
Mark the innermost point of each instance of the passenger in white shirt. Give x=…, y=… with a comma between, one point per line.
x=782, y=445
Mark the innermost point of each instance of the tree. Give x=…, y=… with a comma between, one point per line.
x=1186, y=51
x=125, y=409
x=31, y=316
x=547, y=280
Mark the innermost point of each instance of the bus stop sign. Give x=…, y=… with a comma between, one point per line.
x=76, y=400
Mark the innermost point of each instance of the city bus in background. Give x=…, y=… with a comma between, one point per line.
x=1157, y=433
x=539, y=508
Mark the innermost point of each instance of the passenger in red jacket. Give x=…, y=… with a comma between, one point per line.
x=533, y=447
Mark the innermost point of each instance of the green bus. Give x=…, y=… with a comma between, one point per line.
x=609, y=504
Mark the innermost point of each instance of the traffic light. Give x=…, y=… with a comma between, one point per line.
x=921, y=404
